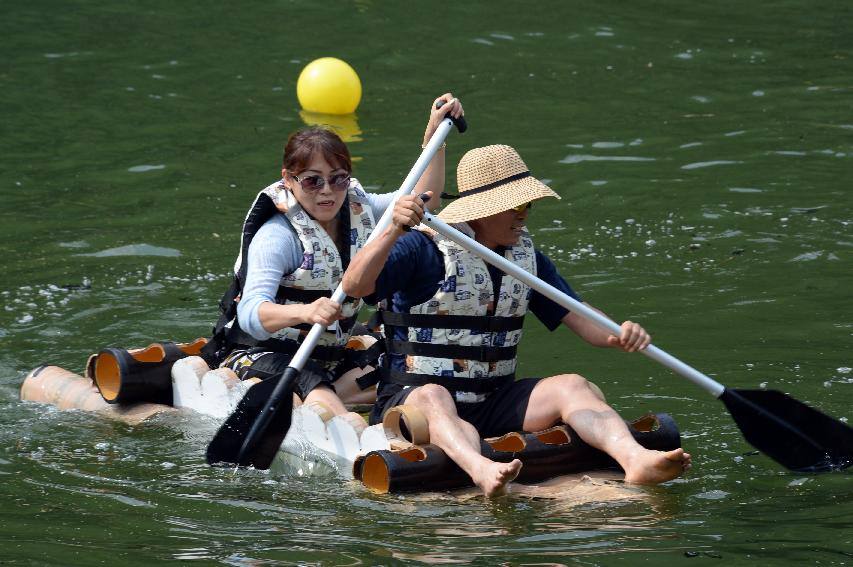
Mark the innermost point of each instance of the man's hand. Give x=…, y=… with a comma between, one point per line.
x=409, y=210
x=633, y=338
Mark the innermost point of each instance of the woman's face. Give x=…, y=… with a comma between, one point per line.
x=313, y=190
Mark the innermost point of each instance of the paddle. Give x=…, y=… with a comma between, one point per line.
x=253, y=433
x=788, y=431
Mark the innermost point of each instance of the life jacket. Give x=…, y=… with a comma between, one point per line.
x=318, y=276
x=466, y=335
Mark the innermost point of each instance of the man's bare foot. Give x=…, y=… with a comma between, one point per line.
x=653, y=467
x=494, y=477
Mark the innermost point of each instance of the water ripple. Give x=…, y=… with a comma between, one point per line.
x=701, y=164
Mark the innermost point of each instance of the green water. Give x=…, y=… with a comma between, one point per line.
x=703, y=153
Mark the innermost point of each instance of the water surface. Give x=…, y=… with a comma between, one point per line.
x=703, y=155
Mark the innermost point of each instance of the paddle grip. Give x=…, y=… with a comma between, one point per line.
x=460, y=122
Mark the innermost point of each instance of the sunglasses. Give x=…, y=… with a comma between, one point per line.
x=337, y=182
x=524, y=207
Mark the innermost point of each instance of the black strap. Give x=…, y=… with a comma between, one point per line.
x=375, y=321
x=360, y=359
x=369, y=356
x=344, y=324
x=470, y=322
x=488, y=186
x=480, y=353
x=300, y=295
x=217, y=347
x=325, y=353
x=475, y=385
x=328, y=353
x=365, y=381
x=306, y=295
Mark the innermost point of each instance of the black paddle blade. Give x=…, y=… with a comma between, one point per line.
x=788, y=431
x=252, y=434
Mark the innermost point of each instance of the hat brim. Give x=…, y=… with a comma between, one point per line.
x=497, y=200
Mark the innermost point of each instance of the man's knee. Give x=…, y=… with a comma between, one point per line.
x=430, y=394
x=577, y=383
x=570, y=381
x=597, y=391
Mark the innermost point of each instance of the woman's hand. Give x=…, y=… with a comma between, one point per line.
x=323, y=311
x=408, y=211
x=452, y=106
x=633, y=338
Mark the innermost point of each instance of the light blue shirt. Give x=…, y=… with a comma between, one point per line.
x=275, y=251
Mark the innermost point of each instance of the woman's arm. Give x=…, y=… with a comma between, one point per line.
x=275, y=317
x=276, y=251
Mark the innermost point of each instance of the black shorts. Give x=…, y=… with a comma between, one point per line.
x=260, y=363
x=257, y=362
x=503, y=411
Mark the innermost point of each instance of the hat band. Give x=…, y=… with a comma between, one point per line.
x=497, y=183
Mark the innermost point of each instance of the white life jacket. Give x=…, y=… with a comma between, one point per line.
x=318, y=275
x=322, y=269
x=464, y=337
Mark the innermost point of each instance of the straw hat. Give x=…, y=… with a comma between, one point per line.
x=492, y=180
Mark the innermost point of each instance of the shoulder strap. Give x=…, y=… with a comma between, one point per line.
x=262, y=209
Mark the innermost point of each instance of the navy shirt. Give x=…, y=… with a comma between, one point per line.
x=415, y=269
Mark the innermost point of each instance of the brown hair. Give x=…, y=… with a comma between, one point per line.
x=303, y=144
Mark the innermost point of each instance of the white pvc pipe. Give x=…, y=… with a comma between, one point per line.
x=304, y=352
x=712, y=386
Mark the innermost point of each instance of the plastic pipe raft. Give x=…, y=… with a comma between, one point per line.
x=66, y=390
x=126, y=376
x=546, y=454
x=394, y=456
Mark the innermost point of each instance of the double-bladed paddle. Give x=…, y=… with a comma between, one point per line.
x=253, y=433
x=790, y=432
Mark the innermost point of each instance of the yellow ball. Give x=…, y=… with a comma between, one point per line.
x=329, y=86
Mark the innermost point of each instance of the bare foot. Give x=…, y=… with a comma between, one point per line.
x=653, y=467
x=494, y=477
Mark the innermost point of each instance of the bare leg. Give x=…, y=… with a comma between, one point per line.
x=350, y=392
x=569, y=398
x=346, y=386
x=460, y=440
x=328, y=397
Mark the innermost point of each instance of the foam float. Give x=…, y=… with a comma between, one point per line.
x=395, y=456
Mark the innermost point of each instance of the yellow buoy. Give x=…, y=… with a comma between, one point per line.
x=329, y=86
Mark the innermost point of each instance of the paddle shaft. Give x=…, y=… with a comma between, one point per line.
x=303, y=353
x=709, y=384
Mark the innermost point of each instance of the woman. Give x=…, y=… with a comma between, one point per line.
x=298, y=239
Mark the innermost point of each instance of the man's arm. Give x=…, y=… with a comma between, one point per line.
x=432, y=179
x=633, y=337
x=360, y=277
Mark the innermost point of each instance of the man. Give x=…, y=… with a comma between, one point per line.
x=453, y=325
